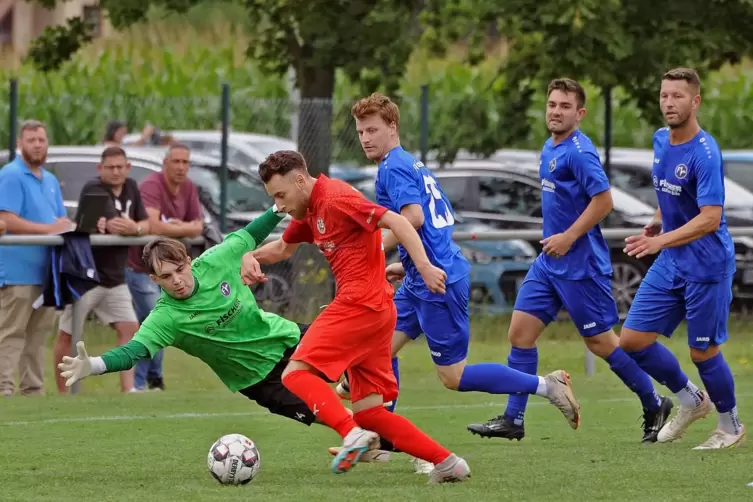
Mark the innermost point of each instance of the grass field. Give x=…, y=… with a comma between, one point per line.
x=104, y=446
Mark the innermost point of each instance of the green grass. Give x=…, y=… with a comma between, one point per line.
x=101, y=445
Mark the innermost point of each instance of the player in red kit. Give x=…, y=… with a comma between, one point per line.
x=354, y=332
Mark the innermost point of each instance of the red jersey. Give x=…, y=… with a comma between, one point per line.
x=343, y=224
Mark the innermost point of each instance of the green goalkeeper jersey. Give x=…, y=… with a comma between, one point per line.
x=220, y=323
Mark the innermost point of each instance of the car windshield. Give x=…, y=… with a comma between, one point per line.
x=243, y=193
x=629, y=205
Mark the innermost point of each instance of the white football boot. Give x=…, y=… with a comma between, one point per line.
x=676, y=427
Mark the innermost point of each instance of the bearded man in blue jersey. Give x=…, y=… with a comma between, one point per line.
x=692, y=276
x=574, y=270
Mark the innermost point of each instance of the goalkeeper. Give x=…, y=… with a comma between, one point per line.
x=208, y=312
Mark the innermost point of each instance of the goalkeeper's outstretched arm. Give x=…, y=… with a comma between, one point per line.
x=121, y=358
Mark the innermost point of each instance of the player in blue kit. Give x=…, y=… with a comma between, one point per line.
x=692, y=276
x=574, y=270
x=404, y=185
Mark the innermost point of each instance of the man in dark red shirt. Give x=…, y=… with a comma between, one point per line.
x=354, y=333
x=172, y=203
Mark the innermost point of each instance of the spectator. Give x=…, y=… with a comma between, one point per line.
x=172, y=203
x=30, y=203
x=116, y=130
x=111, y=300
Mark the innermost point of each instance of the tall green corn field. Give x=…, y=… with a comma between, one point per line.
x=171, y=76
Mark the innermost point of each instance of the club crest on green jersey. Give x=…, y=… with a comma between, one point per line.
x=225, y=288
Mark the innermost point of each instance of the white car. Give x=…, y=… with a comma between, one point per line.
x=245, y=150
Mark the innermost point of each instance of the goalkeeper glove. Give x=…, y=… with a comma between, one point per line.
x=77, y=368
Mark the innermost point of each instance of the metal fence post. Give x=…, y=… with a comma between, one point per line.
x=223, y=161
x=424, y=140
x=608, y=131
x=590, y=363
x=76, y=336
x=13, y=118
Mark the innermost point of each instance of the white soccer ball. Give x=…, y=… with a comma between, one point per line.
x=234, y=460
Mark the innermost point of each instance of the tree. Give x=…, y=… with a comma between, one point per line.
x=370, y=40
x=611, y=43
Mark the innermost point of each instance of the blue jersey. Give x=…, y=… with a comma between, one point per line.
x=571, y=174
x=687, y=177
x=403, y=180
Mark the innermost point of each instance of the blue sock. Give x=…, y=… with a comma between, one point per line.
x=396, y=370
x=527, y=361
x=635, y=378
x=662, y=365
x=495, y=378
x=719, y=383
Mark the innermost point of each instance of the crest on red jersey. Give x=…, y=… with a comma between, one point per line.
x=320, y=225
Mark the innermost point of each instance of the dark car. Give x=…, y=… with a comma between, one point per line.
x=507, y=196
x=631, y=171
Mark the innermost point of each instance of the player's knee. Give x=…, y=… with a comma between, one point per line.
x=521, y=337
x=633, y=341
x=450, y=375
x=524, y=330
x=602, y=344
x=296, y=366
x=370, y=401
x=699, y=355
x=451, y=382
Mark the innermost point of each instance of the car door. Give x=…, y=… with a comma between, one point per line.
x=507, y=201
x=635, y=180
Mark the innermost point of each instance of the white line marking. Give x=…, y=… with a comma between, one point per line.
x=173, y=416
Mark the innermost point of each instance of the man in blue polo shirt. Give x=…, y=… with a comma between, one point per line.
x=30, y=203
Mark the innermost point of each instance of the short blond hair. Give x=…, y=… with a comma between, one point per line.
x=163, y=249
x=377, y=104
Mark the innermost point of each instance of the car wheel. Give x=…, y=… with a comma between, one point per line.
x=627, y=274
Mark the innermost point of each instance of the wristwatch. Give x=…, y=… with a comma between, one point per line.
x=138, y=230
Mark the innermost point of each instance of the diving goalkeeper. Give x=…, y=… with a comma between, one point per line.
x=206, y=311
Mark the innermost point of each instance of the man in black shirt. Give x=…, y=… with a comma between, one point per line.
x=111, y=300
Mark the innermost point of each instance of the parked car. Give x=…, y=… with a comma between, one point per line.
x=631, y=171
x=247, y=150
x=738, y=166
x=498, y=267
x=75, y=165
x=506, y=196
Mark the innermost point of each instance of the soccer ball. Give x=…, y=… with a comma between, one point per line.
x=234, y=460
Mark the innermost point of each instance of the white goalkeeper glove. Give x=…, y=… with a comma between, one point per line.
x=77, y=368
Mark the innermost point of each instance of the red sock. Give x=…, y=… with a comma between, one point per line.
x=321, y=399
x=402, y=433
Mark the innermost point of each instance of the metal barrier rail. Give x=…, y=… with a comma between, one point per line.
x=116, y=240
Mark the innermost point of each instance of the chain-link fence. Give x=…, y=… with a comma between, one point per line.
x=297, y=288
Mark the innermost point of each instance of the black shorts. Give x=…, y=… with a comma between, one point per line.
x=274, y=396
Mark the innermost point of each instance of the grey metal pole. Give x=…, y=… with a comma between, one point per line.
x=76, y=335
x=13, y=119
x=223, y=161
x=424, y=138
x=590, y=363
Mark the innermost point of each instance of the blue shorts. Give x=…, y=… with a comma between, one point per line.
x=446, y=324
x=663, y=300
x=589, y=302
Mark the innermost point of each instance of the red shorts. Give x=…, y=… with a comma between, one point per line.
x=357, y=339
